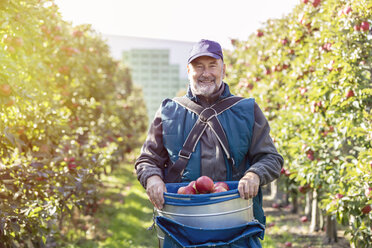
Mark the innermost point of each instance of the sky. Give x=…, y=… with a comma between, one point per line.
x=183, y=20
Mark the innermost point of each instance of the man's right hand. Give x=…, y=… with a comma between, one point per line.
x=155, y=188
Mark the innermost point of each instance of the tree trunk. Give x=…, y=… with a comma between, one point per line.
x=273, y=189
x=315, y=213
x=309, y=199
x=331, y=229
x=276, y=194
x=295, y=202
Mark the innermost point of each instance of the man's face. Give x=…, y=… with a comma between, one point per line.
x=206, y=75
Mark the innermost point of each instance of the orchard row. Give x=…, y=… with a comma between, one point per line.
x=68, y=112
x=310, y=72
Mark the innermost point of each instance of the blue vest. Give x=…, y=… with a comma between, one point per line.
x=237, y=123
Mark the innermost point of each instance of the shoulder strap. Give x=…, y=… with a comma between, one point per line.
x=207, y=116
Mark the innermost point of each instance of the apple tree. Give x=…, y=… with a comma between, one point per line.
x=310, y=72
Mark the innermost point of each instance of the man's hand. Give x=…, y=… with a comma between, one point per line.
x=248, y=185
x=155, y=188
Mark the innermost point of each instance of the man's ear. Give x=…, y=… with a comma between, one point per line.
x=223, y=70
x=188, y=68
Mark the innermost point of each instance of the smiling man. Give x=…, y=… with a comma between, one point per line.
x=209, y=132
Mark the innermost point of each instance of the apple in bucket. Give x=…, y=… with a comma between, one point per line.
x=204, y=185
x=186, y=190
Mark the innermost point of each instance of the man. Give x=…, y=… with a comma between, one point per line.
x=251, y=157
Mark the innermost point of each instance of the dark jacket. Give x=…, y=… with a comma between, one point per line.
x=265, y=161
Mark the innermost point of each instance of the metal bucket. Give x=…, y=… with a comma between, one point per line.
x=223, y=214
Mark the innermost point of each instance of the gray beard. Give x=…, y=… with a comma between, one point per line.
x=204, y=90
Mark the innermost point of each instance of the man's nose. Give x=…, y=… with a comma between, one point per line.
x=206, y=73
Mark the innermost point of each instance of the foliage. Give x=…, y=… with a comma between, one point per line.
x=310, y=72
x=67, y=110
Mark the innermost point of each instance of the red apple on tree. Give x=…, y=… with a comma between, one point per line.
x=259, y=33
x=316, y=3
x=303, y=189
x=347, y=10
x=364, y=26
x=72, y=166
x=366, y=209
x=339, y=196
x=349, y=93
x=204, y=185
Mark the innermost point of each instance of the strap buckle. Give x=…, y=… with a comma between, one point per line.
x=185, y=155
x=207, y=114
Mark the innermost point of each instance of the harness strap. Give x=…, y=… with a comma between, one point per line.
x=207, y=117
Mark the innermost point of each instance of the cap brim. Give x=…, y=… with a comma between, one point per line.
x=204, y=54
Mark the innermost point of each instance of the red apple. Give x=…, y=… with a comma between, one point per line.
x=271, y=224
x=192, y=183
x=250, y=86
x=302, y=189
x=339, y=196
x=304, y=219
x=288, y=244
x=275, y=205
x=305, y=1
x=282, y=171
x=357, y=27
x=181, y=190
x=366, y=209
x=219, y=189
x=284, y=41
x=310, y=154
x=347, y=10
x=259, y=33
x=72, y=166
x=316, y=3
x=189, y=190
x=204, y=185
x=223, y=184
x=349, y=94
x=364, y=26
x=77, y=33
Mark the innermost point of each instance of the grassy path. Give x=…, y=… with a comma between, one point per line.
x=124, y=214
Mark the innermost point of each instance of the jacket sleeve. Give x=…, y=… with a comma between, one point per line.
x=153, y=155
x=265, y=160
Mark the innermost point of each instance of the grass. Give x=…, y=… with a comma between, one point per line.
x=123, y=216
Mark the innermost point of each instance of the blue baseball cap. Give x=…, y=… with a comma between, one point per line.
x=205, y=48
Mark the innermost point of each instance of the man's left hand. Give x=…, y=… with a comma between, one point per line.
x=248, y=185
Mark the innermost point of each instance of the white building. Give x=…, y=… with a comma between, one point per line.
x=159, y=66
